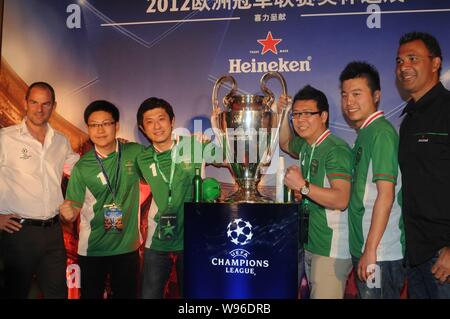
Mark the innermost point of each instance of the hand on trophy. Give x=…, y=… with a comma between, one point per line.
x=214, y=117
x=285, y=101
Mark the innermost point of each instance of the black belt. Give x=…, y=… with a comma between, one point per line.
x=39, y=222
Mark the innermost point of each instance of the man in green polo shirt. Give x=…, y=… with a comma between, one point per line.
x=322, y=177
x=104, y=187
x=168, y=166
x=375, y=223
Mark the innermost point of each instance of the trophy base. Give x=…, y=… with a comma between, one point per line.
x=248, y=196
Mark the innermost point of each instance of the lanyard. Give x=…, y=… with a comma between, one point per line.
x=319, y=140
x=172, y=171
x=112, y=190
x=308, y=173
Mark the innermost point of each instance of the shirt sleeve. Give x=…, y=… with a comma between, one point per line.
x=139, y=150
x=385, y=157
x=76, y=188
x=296, y=144
x=71, y=158
x=338, y=163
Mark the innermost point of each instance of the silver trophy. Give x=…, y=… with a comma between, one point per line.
x=248, y=130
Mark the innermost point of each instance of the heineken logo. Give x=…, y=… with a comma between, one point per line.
x=269, y=44
x=279, y=65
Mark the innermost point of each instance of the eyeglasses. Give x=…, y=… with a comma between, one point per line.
x=412, y=59
x=102, y=125
x=306, y=114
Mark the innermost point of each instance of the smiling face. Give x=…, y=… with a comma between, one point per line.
x=308, y=126
x=357, y=100
x=102, y=130
x=417, y=71
x=39, y=106
x=158, y=127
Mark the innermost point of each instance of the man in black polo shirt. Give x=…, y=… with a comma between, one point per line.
x=424, y=157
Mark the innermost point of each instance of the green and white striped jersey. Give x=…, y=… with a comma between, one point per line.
x=88, y=189
x=181, y=187
x=375, y=157
x=328, y=229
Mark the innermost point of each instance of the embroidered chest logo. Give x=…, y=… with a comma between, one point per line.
x=129, y=167
x=314, y=167
x=358, y=155
x=25, y=154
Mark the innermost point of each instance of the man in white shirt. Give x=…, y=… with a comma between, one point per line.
x=33, y=158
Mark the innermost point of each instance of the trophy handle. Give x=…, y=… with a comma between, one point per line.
x=269, y=96
x=269, y=99
x=227, y=98
x=226, y=102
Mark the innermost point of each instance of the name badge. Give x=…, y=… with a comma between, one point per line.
x=167, y=227
x=112, y=218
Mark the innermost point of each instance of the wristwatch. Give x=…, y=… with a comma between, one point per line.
x=305, y=189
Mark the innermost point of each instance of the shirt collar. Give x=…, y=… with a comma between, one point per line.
x=103, y=155
x=23, y=129
x=425, y=101
x=161, y=151
x=322, y=137
x=372, y=118
x=175, y=139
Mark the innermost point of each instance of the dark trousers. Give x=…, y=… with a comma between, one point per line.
x=157, y=268
x=123, y=273
x=423, y=285
x=34, y=250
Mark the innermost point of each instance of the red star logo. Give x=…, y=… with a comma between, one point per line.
x=269, y=44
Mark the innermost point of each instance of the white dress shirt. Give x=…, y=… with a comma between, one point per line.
x=31, y=173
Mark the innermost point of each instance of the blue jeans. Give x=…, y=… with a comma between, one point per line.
x=388, y=286
x=423, y=285
x=157, y=268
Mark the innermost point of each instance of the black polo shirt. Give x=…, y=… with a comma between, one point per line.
x=424, y=158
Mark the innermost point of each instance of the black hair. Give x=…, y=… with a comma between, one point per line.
x=430, y=42
x=150, y=104
x=361, y=69
x=311, y=93
x=101, y=105
x=43, y=85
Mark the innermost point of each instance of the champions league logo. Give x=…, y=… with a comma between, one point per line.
x=269, y=45
x=239, y=232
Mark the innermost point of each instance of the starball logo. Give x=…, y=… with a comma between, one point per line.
x=269, y=48
x=240, y=233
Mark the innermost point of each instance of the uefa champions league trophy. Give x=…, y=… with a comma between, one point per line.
x=248, y=130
